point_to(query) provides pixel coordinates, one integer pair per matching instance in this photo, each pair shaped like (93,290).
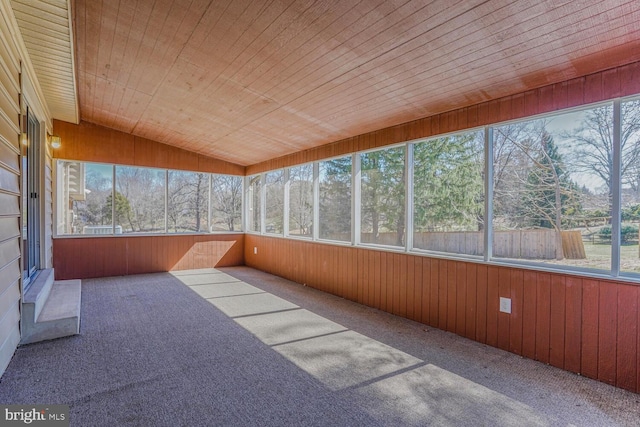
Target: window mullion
(209,203)
(286,207)
(488,193)
(615,189)
(408,165)
(356,210)
(316,201)
(263,202)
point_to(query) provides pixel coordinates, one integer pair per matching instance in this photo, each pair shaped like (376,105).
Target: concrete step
(60,315)
(34,300)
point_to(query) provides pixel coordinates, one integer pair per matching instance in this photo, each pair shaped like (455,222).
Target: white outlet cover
(255,250)
(505,305)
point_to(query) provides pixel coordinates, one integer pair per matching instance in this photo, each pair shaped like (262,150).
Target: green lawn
(599,256)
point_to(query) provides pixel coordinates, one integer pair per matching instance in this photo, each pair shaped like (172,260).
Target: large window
(144,200)
(254,203)
(301,200)
(334,203)
(87,190)
(226,203)
(382,204)
(552,197)
(139,200)
(187,207)
(630,187)
(274,203)
(448,199)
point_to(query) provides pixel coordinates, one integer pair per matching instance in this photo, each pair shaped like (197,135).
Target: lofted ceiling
(247,81)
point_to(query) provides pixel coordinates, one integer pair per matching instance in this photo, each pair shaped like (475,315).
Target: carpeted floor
(240,347)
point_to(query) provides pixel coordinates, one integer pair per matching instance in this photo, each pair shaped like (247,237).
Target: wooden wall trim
(93,143)
(583,325)
(82,258)
(612,83)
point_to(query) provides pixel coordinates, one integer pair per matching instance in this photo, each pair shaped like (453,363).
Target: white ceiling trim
(46,29)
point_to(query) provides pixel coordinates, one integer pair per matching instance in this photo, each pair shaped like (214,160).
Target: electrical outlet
(505,305)
(255,250)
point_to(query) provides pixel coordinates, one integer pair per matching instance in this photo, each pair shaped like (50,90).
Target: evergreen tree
(122,209)
(335,198)
(383,193)
(549,192)
(448,184)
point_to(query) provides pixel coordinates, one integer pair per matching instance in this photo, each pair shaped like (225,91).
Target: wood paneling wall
(93,143)
(10,229)
(579,324)
(612,83)
(582,325)
(82,258)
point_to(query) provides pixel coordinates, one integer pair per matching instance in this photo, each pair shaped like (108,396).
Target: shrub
(627,233)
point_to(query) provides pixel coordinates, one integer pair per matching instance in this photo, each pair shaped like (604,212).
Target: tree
(187,207)
(226,199)
(122,208)
(448,183)
(301,200)
(145,190)
(593,146)
(383,193)
(549,193)
(274,203)
(335,199)
(98,188)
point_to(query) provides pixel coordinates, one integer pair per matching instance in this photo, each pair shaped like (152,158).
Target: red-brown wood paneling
(590,328)
(504,319)
(461,298)
(451,300)
(607,337)
(529,312)
(516,319)
(573,324)
(557,321)
(627,340)
(493,305)
(92,143)
(81,258)
(482,291)
(471,301)
(586,326)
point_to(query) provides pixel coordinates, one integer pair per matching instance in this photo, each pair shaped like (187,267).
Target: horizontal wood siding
(81,258)
(93,143)
(586,326)
(608,84)
(10,275)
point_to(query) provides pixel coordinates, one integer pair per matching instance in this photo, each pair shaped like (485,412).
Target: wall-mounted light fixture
(55,141)
(23,139)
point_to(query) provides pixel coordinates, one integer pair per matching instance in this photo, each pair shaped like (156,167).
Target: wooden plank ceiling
(247,81)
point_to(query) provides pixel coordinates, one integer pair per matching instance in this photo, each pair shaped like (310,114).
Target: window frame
(56,200)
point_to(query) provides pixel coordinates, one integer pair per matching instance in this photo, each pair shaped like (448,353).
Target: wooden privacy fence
(519,244)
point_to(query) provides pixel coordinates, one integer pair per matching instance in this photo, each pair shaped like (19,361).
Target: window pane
(448,185)
(274,206)
(84,198)
(140,197)
(552,181)
(187,209)
(254,204)
(301,200)
(226,200)
(382,202)
(630,141)
(335,199)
